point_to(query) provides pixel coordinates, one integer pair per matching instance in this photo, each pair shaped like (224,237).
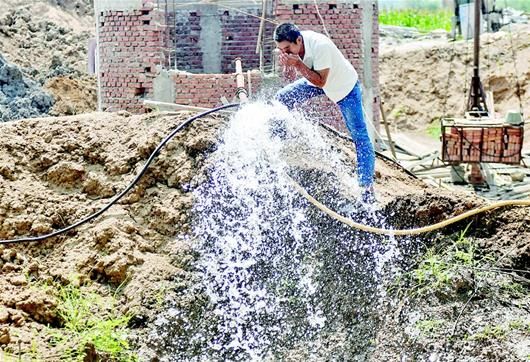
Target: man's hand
(289,60)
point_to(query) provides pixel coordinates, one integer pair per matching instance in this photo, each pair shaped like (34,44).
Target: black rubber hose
(128,188)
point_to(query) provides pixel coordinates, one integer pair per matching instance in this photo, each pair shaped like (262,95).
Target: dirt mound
(72,95)
(40,46)
(49,42)
(421,81)
(55,171)
(20,97)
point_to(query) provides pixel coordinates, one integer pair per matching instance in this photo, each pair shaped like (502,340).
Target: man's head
(288,39)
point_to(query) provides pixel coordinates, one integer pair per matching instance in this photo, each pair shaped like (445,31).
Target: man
(325,70)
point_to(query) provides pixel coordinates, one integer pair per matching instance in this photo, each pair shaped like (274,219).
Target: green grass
(423,20)
(430,326)
(516,4)
(90,320)
(434,130)
(489,332)
(437,4)
(409,4)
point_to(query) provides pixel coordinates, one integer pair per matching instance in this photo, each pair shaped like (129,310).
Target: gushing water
(279,280)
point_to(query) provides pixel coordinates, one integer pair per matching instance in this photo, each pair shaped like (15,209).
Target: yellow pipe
(403,232)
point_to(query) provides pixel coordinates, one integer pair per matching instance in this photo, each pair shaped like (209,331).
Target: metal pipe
(241,92)
(476,35)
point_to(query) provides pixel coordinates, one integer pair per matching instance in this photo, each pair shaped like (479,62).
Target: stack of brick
(495,144)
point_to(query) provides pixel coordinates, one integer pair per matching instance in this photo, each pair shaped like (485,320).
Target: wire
(153,155)
(321,19)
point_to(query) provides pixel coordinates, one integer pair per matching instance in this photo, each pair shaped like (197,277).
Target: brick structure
(189,49)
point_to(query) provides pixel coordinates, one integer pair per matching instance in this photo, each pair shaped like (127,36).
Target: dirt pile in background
(49,42)
(43,48)
(20,97)
(73,95)
(421,81)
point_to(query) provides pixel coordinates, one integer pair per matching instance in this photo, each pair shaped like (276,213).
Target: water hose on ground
(404,232)
(297,187)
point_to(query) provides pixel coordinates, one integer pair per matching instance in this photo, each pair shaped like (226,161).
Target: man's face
(286,47)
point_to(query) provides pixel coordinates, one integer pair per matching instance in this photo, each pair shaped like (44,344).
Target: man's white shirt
(322,53)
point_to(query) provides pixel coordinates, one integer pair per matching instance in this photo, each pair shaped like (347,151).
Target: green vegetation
(489,332)
(410,4)
(437,4)
(423,20)
(520,325)
(441,271)
(516,4)
(429,326)
(434,129)
(84,326)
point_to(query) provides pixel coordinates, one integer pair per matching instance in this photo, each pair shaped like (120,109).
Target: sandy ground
(56,170)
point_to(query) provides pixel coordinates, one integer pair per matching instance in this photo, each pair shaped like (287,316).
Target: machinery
(479,136)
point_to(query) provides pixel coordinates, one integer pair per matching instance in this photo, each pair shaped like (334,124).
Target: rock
(66,174)
(4,315)
(9,267)
(9,255)
(20,97)
(95,185)
(18,318)
(39,306)
(124,113)
(18,280)
(115,267)
(517,176)
(5,338)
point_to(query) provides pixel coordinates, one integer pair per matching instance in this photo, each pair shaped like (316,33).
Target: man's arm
(316,77)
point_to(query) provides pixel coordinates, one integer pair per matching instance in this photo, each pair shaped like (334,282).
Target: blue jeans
(352,111)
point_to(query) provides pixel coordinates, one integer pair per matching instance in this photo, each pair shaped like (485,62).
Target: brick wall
(239,36)
(129,50)
(205,90)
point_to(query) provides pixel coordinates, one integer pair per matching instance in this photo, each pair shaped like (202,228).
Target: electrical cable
(117,197)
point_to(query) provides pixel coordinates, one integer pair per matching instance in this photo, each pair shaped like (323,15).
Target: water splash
(279,279)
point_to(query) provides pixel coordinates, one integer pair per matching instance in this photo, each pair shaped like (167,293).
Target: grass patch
(434,130)
(440,271)
(430,326)
(520,325)
(423,20)
(489,332)
(516,4)
(90,321)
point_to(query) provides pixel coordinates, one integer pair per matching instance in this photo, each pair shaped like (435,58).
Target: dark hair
(286,31)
